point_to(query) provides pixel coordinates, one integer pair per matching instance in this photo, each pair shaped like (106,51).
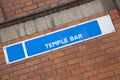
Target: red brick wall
(1,16)
(18,8)
(95,59)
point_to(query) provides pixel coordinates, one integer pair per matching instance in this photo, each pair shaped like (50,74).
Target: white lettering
(56,43)
(76,37)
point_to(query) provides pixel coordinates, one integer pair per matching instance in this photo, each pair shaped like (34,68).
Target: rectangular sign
(61,38)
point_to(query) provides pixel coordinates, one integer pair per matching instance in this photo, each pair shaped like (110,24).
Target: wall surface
(13,9)
(95,59)
(19,8)
(52,20)
(117,2)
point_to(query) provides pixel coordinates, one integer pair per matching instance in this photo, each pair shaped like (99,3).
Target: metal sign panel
(61,38)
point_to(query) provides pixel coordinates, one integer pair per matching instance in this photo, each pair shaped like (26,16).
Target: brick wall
(95,59)
(18,8)
(1,16)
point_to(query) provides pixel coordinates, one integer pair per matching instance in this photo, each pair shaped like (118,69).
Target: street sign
(58,39)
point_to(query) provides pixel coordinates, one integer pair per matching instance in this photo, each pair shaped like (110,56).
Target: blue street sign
(62,38)
(52,41)
(15,52)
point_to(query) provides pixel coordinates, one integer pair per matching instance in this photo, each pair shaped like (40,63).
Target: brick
(48,74)
(58,60)
(71,50)
(34,6)
(88,62)
(1,52)
(90,67)
(115,16)
(99,53)
(51,1)
(89,73)
(78,77)
(86,57)
(56,55)
(19,15)
(36,77)
(8,4)
(84,20)
(83,47)
(60,65)
(23,77)
(23,1)
(103,70)
(2,61)
(11,75)
(35,73)
(16,6)
(116,21)
(117,26)
(113,66)
(114,11)
(16,2)
(21,71)
(106,40)
(107,45)
(29,3)
(34,67)
(116,37)
(41,3)
(93,78)
(3,66)
(69,57)
(116,77)
(30,63)
(10,13)
(20,66)
(45,64)
(5,77)
(105,75)
(115,60)
(110,50)
(99,59)
(48,30)
(51,78)
(8,70)
(18,11)
(75,60)
(110,56)
(101,64)
(118,42)
(84,52)
(78,71)
(47,69)
(117,48)
(62,76)
(61,70)
(72,67)
(117,71)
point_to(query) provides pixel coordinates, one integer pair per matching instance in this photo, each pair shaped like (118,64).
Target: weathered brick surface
(95,59)
(1,16)
(18,8)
